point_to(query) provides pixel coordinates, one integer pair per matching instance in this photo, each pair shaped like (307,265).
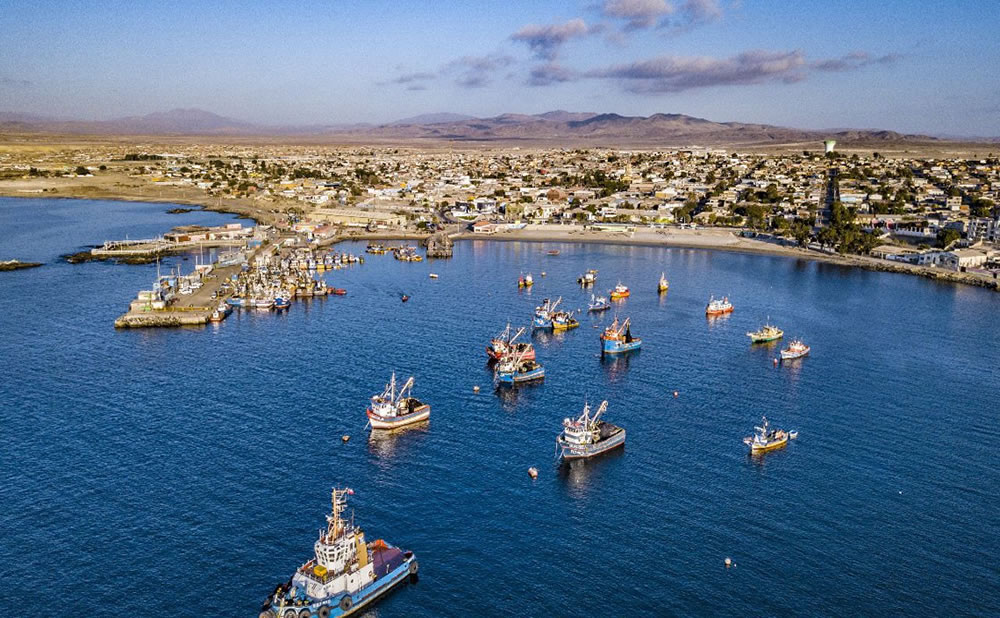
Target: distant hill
(555,127)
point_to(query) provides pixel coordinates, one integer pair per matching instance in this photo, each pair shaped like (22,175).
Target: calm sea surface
(186,472)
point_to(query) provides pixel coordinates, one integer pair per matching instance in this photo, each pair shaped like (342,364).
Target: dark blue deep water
(185,472)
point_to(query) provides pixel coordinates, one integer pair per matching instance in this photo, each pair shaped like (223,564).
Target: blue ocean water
(185,472)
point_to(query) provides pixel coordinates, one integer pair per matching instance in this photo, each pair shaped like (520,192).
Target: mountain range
(555,127)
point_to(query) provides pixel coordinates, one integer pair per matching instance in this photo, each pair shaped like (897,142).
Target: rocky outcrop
(439,245)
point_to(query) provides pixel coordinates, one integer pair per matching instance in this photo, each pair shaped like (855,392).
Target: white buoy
(676,394)
(533,472)
(475,389)
(729,562)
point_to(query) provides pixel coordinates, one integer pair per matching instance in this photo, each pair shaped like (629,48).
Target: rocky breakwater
(439,245)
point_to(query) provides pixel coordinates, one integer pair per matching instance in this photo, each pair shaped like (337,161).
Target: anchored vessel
(587,278)
(598,303)
(719,307)
(345,575)
(765,334)
(766,439)
(617,338)
(515,369)
(505,343)
(392,409)
(525,281)
(620,292)
(663,285)
(588,436)
(544,313)
(796,349)
(564,320)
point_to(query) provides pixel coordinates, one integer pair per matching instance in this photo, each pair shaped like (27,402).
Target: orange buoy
(345,438)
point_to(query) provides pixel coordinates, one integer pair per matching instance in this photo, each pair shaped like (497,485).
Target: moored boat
(525,281)
(620,292)
(587,435)
(766,334)
(544,313)
(280,302)
(598,303)
(338,291)
(553,252)
(718,306)
(796,349)
(617,338)
(587,278)
(392,409)
(515,369)
(663,285)
(766,438)
(505,344)
(564,320)
(345,574)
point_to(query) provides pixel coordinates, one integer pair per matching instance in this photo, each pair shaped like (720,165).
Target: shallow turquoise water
(185,472)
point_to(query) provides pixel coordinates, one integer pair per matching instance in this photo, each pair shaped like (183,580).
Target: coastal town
(928,212)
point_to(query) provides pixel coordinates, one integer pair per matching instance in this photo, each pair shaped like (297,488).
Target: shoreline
(717,239)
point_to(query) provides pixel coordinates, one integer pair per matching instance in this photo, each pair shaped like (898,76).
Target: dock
(190,310)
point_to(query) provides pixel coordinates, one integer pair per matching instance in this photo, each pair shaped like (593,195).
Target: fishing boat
(525,281)
(515,369)
(796,349)
(718,306)
(552,252)
(505,344)
(598,303)
(404,298)
(766,439)
(587,278)
(392,409)
(345,575)
(564,320)
(587,435)
(620,292)
(663,285)
(280,302)
(617,338)
(544,312)
(221,313)
(766,334)
(432,276)
(338,291)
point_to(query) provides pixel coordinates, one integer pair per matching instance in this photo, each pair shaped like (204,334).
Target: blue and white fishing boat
(617,338)
(544,313)
(587,435)
(345,575)
(280,302)
(237,301)
(516,369)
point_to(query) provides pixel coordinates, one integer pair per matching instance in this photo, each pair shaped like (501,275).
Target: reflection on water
(616,365)
(717,320)
(509,395)
(757,459)
(582,474)
(390,443)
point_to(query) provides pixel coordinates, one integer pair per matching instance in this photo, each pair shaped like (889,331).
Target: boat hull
(520,378)
(420,414)
(526,354)
(564,325)
(785,355)
(541,323)
(620,347)
(711,312)
(359,600)
(569,452)
(771,446)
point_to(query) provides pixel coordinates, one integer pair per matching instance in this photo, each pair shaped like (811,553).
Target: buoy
(345,438)
(475,389)
(775,362)
(543,273)
(676,394)
(533,472)
(729,562)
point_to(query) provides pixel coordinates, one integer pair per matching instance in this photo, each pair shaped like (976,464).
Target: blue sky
(911,66)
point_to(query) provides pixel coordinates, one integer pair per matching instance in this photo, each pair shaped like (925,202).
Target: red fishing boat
(505,343)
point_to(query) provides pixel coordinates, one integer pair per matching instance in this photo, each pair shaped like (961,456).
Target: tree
(81,171)
(947,236)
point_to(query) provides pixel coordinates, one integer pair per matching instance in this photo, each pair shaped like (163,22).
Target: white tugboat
(345,575)
(588,436)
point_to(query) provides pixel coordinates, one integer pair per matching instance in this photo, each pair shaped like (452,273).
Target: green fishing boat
(765,334)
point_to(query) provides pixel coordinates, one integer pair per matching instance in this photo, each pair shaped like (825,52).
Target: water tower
(828,145)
